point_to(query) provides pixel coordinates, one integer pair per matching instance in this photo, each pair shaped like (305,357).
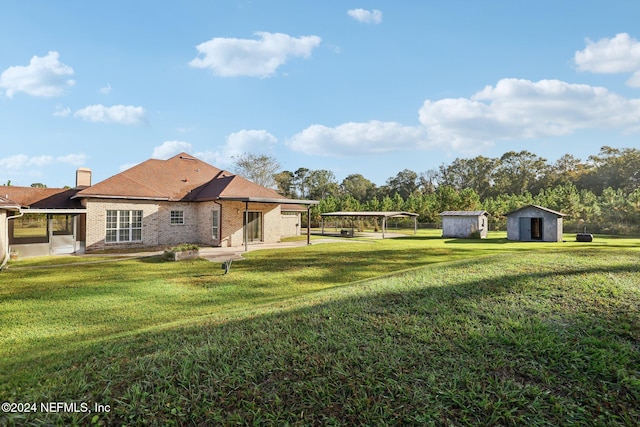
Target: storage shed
(534,223)
(465,224)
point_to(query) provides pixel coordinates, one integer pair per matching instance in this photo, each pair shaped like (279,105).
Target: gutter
(7,252)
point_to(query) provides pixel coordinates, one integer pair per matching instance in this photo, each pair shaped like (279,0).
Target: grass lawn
(415,330)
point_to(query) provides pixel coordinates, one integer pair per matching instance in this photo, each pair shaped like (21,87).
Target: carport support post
(246,226)
(309,224)
(384,225)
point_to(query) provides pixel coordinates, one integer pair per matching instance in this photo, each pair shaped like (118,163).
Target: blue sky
(368,87)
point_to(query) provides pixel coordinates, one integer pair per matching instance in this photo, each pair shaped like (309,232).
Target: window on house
(215,228)
(177,217)
(124,226)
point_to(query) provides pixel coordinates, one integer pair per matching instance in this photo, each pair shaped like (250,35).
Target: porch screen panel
(62,225)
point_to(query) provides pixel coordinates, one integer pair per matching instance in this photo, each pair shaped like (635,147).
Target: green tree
(285,184)
(519,173)
(301,177)
(359,187)
(476,173)
(404,183)
(321,183)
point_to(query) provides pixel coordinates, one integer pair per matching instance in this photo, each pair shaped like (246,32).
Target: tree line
(602,191)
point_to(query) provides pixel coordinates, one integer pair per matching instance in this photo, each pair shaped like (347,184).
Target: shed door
(525,229)
(536,228)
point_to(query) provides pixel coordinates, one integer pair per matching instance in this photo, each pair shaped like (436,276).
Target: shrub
(475,235)
(182,247)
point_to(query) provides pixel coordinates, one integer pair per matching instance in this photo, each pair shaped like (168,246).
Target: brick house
(156,203)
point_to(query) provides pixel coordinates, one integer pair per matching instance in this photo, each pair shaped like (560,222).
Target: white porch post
(308,224)
(384,225)
(246,226)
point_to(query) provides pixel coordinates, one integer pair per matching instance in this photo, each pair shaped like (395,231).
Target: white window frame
(123,226)
(176,217)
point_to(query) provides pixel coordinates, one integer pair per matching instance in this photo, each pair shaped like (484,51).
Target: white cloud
(354,139)
(105,90)
(522,109)
(169,149)
(61,111)
(121,114)
(367,16)
(249,141)
(20,161)
(513,109)
(45,76)
(238,143)
(230,57)
(620,54)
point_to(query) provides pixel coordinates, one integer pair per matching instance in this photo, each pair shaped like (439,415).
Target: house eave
(52,211)
(102,196)
(270,200)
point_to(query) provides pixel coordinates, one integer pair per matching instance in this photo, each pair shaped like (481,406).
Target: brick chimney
(83,177)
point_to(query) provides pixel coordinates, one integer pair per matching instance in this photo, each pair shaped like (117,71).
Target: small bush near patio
(450,335)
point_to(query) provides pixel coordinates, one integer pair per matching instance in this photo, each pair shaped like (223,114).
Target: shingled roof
(181,178)
(8,204)
(41,198)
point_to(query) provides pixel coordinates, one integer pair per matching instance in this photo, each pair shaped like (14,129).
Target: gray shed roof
(464,213)
(558,214)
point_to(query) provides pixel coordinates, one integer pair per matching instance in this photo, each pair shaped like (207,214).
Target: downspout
(7,252)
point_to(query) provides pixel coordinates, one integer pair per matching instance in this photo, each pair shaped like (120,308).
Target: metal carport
(377,214)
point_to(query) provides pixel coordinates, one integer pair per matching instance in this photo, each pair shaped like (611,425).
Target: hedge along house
(465,224)
(184,200)
(534,223)
(46,221)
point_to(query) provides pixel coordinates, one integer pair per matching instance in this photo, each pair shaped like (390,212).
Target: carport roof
(464,213)
(373,213)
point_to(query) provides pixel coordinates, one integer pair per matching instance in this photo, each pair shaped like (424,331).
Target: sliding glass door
(254,226)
